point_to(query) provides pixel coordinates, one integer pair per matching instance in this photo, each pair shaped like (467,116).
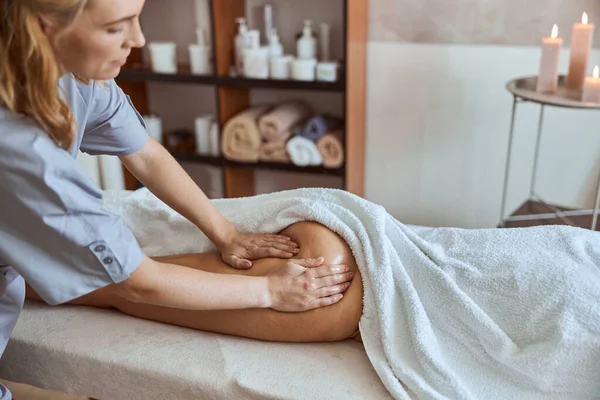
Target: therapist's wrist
(224,235)
(264,296)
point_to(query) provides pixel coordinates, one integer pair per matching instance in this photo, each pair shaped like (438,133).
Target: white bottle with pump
(275,46)
(240,45)
(307,44)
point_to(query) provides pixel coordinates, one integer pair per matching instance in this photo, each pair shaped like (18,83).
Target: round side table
(524,91)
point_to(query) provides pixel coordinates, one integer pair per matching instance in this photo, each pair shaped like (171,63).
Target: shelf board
(226,81)
(140,73)
(273,166)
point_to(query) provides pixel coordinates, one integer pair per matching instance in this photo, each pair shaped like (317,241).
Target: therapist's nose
(137,38)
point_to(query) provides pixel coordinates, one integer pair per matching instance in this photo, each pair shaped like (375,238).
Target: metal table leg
(508,157)
(596,205)
(537,153)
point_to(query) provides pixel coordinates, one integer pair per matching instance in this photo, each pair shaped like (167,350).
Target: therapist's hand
(301,285)
(241,248)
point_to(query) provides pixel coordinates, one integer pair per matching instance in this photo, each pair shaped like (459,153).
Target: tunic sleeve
(53,228)
(114,126)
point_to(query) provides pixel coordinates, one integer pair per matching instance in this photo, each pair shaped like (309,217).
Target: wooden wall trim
(357,29)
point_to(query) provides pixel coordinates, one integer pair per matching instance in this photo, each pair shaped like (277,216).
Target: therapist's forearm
(180,287)
(156,168)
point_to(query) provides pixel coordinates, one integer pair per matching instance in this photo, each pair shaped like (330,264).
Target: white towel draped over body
(448,314)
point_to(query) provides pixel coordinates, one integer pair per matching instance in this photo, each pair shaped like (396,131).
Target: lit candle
(591,87)
(581,44)
(547,81)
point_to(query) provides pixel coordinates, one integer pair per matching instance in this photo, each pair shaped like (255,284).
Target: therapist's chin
(107,72)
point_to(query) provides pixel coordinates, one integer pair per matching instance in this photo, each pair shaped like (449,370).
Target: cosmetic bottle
(307,44)
(268,22)
(240,44)
(275,47)
(325,42)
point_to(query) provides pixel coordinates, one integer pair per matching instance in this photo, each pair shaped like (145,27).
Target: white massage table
(107,355)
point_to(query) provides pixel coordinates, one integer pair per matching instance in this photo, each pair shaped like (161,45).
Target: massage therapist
(58,96)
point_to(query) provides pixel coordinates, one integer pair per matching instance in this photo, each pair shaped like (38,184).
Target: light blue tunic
(53,231)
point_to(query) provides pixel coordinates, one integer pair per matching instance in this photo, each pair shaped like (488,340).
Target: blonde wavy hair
(29,70)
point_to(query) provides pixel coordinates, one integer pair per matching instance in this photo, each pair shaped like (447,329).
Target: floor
(533,207)
(26,392)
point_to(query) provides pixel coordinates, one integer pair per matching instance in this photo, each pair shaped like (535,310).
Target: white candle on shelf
(591,87)
(581,44)
(547,81)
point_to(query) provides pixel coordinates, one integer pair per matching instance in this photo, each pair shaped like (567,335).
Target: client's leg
(332,323)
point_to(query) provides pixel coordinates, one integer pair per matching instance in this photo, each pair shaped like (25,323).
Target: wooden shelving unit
(142,73)
(233,95)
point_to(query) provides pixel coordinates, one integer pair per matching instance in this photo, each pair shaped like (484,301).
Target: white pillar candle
(591,87)
(581,44)
(547,81)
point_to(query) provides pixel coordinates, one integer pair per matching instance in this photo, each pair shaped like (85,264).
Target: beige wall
(502,22)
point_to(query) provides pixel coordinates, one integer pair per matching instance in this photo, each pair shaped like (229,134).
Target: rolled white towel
(304,152)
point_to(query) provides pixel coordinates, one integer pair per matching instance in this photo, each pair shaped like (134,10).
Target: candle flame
(584,18)
(554,34)
(596,72)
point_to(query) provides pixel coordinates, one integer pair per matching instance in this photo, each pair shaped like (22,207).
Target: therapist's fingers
(279,238)
(333,280)
(329,270)
(332,290)
(272,251)
(288,247)
(237,262)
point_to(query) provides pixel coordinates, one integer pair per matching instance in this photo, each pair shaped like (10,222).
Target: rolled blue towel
(317,127)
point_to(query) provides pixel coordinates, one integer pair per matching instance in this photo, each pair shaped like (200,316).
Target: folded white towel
(304,152)
(448,313)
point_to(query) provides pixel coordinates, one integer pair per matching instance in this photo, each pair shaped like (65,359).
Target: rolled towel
(331,147)
(241,138)
(318,126)
(274,152)
(303,152)
(279,123)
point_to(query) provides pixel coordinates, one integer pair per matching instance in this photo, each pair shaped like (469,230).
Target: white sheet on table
(111,356)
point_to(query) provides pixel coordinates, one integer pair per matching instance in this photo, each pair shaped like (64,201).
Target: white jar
(163,57)
(256,63)
(304,70)
(327,71)
(200,59)
(281,67)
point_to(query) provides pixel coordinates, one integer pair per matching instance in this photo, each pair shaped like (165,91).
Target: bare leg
(332,323)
